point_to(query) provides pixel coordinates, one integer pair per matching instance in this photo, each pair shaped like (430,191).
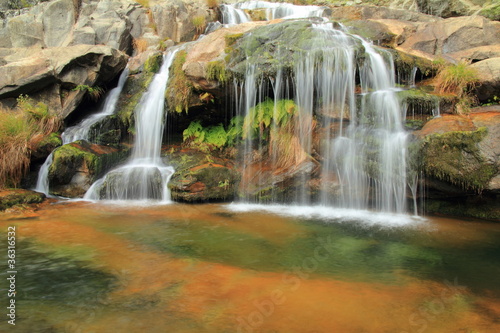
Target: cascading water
(236,14)
(363,146)
(144,176)
(82,130)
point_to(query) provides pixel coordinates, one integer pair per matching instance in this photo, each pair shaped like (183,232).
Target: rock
(201,177)
(14,197)
(489,78)
(45,147)
(461,154)
(52,73)
(452,35)
(77,165)
(208,49)
(174,19)
(58,19)
(377,13)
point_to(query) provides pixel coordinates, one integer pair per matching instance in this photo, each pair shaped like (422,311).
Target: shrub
(199,23)
(93,92)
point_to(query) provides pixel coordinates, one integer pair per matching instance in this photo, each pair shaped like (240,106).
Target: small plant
(213,137)
(162,46)
(261,116)
(94,92)
(140,44)
(458,80)
(216,70)
(153,63)
(143,3)
(179,90)
(199,23)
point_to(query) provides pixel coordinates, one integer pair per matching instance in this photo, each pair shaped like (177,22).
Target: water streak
(144,176)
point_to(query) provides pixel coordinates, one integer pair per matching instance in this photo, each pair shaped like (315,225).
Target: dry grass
(199,23)
(14,151)
(21,131)
(212,3)
(140,44)
(458,80)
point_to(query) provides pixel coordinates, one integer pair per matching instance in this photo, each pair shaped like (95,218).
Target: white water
(236,14)
(363,160)
(144,176)
(81,131)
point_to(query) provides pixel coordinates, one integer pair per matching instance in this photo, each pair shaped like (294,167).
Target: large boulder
(78,164)
(489,78)
(51,74)
(201,177)
(461,154)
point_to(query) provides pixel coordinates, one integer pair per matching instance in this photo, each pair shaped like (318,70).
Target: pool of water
(90,267)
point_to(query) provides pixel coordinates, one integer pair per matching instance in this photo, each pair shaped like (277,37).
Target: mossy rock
(15,197)
(200,177)
(455,158)
(371,30)
(78,164)
(276,46)
(109,131)
(46,146)
(484,207)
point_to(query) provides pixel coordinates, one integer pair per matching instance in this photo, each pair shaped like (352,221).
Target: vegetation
(179,90)
(216,70)
(267,113)
(94,92)
(212,3)
(458,80)
(143,3)
(153,63)
(454,157)
(21,132)
(199,23)
(213,137)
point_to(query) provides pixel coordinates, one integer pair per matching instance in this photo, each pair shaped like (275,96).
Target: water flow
(237,13)
(81,131)
(363,141)
(144,176)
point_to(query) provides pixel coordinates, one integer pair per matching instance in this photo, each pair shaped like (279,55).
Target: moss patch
(454,157)
(179,89)
(10,198)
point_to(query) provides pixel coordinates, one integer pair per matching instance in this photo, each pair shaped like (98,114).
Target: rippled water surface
(87,267)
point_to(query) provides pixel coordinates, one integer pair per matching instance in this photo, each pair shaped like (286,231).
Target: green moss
(257,14)
(492,12)
(70,157)
(406,62)
(487,209)
(53,140)
(20,197)
(213,137)
(231,39)
(216,70)
(153,63)
(179,89)
(455,157)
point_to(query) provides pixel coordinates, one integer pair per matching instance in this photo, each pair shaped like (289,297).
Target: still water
(87,267)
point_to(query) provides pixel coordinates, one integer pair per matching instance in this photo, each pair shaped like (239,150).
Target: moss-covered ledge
(15,197)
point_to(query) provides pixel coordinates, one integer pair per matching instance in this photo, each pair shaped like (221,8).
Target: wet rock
(77,165)
(49,75)
(14,197)
(201,177)
(460,155)
(489,78)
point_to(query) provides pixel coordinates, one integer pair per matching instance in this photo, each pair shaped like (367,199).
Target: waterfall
(144,176)
(81,131)
(363,142)
(236,14)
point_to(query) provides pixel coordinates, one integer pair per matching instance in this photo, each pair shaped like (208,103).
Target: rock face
(77,165)
(462,154)
(52,74)
(10,198)
(201,177)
